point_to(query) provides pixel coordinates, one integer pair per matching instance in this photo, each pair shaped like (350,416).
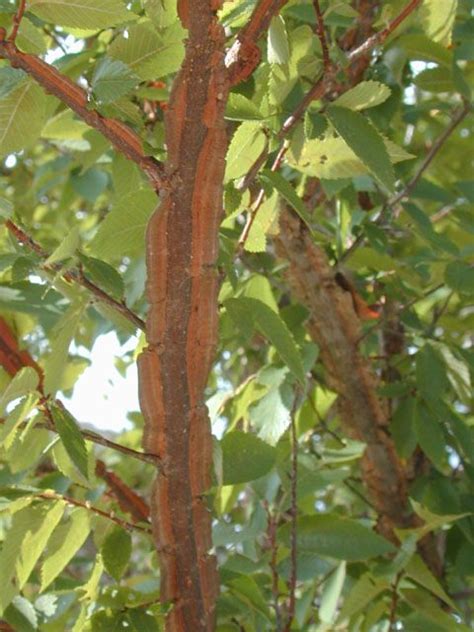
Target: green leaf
(340,538)
(116,551)
(365,142)
(262,224)
(272,413)
(331,594)
(431,375)
(249,591)
(10,79)
(332,159)
(64,543)
(287,192)
(239,108)
(34,541)
(366,94)
(15,419)
(122,233)
(245,457)
(271,326)
(278,51)
(61,338)
(103,275)
(460,277)
(148,54)
(437,19)
(25,382)
(30,39)
(112,79)
(67,248)
(246,145)
(438,79)
(416,569)
(22,115)
(81,14)
(71,438)
(362,593)
(430,436)
(427,605)
(21,615)
(421,48)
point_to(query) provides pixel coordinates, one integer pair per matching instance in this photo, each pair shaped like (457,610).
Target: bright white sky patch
(102,397)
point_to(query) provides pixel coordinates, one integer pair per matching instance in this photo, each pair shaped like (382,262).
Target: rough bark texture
(334,326)
(182,247)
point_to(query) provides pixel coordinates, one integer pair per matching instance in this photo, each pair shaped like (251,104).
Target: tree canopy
(274,200)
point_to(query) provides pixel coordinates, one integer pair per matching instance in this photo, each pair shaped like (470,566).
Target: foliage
(291,514)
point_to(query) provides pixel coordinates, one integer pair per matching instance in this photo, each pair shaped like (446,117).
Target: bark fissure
(182,249)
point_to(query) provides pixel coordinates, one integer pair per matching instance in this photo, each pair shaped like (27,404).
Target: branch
(244,55)
(74,275)
(120,135)
(320,30)
(382,36)
(129,501)
(334,326)
(294,518)
(129,526)
(17,18)
(325,83)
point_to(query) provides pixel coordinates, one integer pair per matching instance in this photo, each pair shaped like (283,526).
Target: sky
(102,397)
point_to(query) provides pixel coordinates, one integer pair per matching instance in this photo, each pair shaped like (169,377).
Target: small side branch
(120,135)
(17,21)
(325,83)
(244,55)
(129,526)
(74,275)
(321,33)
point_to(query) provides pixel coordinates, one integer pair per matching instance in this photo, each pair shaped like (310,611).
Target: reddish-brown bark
(182,289)
(120,135)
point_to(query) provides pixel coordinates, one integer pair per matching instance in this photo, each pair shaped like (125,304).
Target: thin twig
(394,602)
(271,534)
(17,18)
(259,201)
(321,33)
(74,275)
(294,518)
(86,505)
(89,435)
(324,83)
(381,36)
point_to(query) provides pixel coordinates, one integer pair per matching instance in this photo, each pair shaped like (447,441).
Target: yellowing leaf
(437,19)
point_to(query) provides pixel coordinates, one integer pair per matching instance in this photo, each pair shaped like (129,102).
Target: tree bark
(182,286)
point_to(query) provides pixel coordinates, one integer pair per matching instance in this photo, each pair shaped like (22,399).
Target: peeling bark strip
(334,326)
(182,248)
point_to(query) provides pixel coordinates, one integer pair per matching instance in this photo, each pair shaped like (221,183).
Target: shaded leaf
(71,438)
(270,325)
(245,457)
(332,536)
(116,551)
(112,79)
